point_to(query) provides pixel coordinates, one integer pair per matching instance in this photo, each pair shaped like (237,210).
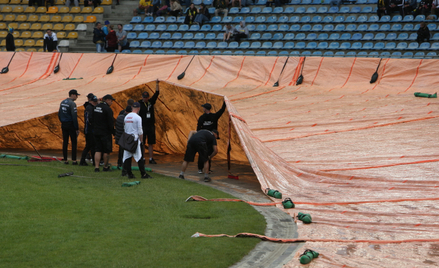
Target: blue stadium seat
(322,10)
(345,36)
(227,19)
(435,37)
(413,36)
(161,51)
(328,28)
(283,53)
(367,9)
(154,36)
(322,36)
(167,44)
(424,46)
(260,19)
(266,36)
(255,36)
(261,53)
(233,45)
(139,28)
(148,51)
(249,52)
(373,19)
(300,36)
(355,9)
(295,28)
(431,26)
(396,54)
(237,19)
(305,28)
(373,28)
(385,27)
(172,28)
(328,19)
(289,36)
(289,45)
(333,10)
(183,28)
(295,53)
(305,19)
(205,28)
(283,19)
(267,45)
(145,44)
(413,46)
(401,46)
(396,18)
(374,54)
(255,45)
(249,19)
(126,51)
(317,53)
(334,45)
(136,19)
(379,36)
(197,2)
(328,54)
(261,28)
(368,37)
(390,46)
(311,36)
(362,54)
(322,45)
(160,19)
(316,19)
(339,54)
(378,46)
(148,20)
(339,19)
(351,27)
(217,28)
(334,36)
(278,36)
(390,36)
(156,44)
(256,10)
(128,27)
(238,52)
(272,28)
(216,52)
(208,2)
(267,10)
(211,45)
(176,36)
(182,52)
(361,19)
(300,45)
(261,2)
(134,44)
(419,18)
(289,10)
(344,10)
(317,28)
(133,35)
(234,10)
(407,55)
(431,54)
(419,55)
(244,45)
(368,46)
(408,18)
(356,46)
(278,45)
(385,18)
(171,19)
(351,54)
(181,19)
(194,28)
(189,45)
(220,36)
(294,19)
(188,36)
(215,19)
(408,27)
(283,28)
(396,27)
(199,36)
(222,45)
(210,36)
(402,36)
(306,53)
(137,51)
(244,10)
(311,10)
(166,36)
(300,10)
(362,28)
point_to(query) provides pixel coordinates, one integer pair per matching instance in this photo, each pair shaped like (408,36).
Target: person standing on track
(148,120)
(88,129)
(68,117)
(103,127)
(208,121)
(202,142)
(133,126)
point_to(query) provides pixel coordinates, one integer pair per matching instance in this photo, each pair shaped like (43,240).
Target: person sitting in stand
(395,5)
(382,6)
(50,41)
(175,8)
(228,33)
(95,3)
(240,31)
(435,7)
(141,8)
(237,3)
(191,14)
(276,3)
(203,15)
(423,33)
(409,7)
(221,7)
(424,7)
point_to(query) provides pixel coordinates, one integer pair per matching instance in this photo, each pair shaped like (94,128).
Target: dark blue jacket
(67,112)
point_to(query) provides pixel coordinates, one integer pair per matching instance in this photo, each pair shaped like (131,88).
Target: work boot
(207,179)
(131,176)
(97,170)
(107,168)
(146,176)
(181,177)
(83,164)
(152,161)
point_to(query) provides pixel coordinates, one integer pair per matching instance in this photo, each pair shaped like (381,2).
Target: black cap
(108,97)
(74,92)
(145,94)
(216,132)
(94,98)
(207,106)
(129,109)
(90,96)
(136,105)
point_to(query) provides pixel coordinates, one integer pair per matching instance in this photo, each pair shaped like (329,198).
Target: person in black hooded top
(10,43)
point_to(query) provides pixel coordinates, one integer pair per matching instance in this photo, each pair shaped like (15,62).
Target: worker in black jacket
(119,131)
(208,121)
(148,120)
(103,128)
(88,129)
(68,117)
(10,43)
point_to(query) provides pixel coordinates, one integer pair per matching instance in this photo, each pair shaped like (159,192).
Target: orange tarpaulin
(361,158)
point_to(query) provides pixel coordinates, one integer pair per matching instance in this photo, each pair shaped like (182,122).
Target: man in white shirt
(133,126)
(50,41)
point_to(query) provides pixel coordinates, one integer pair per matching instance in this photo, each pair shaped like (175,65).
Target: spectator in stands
(334,3)
(228,33)
(435,7)
(423,33)
(424,7)
(163,9)
(175,8)
(75,2)
(121,37)
(382,6)
(155,6)
(143,6)
(203,15)
(111,40)
(105,28)
(276,3)
(236,3)
(410,6)
(240,31)
(95,3)
(49,2)
(50,41)
(10,43)
(395,5)
(221,7)
(191,14)
(33,2)
(99,37)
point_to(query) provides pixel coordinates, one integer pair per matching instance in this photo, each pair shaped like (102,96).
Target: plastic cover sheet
(361,158)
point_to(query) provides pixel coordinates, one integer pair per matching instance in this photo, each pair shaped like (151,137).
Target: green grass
(46,221)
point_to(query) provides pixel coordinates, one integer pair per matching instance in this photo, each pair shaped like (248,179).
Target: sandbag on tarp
(425,95)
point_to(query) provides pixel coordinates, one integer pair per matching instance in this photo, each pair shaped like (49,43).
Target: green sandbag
(425,95)
(288,203)
(274,193)
(133,168)
(306,218)
(308,256)
(129,184)
(14,157)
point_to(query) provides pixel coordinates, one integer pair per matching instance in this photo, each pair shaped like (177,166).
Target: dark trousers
(89,147)
(68,130)
(141,164)
(120,157)
(238,36)
(201,161)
